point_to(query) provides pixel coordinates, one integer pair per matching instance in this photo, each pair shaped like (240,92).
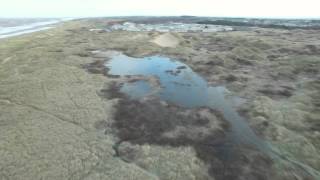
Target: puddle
(137,89)
(181,86)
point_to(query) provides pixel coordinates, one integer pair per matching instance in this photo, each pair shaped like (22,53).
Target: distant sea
(13,27)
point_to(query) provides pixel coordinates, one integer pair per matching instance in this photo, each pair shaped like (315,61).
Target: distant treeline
(255,24)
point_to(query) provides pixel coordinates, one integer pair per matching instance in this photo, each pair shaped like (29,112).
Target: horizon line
(119,16)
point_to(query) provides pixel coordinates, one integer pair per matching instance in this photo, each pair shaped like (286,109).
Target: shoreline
(11,31)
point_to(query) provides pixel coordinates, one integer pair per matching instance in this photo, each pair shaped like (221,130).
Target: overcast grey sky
(93,8)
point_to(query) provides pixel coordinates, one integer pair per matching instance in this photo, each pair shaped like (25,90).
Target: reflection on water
(182,86)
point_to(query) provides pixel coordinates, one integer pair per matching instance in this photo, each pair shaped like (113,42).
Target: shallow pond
(180,85)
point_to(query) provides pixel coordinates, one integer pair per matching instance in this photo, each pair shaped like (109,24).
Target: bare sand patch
(166,40)
(6,60)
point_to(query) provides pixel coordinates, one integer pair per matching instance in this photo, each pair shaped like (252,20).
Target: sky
(220,8)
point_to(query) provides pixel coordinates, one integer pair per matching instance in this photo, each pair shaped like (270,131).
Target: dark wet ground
(153,122)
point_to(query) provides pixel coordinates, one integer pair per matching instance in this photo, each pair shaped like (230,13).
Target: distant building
(170,27)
